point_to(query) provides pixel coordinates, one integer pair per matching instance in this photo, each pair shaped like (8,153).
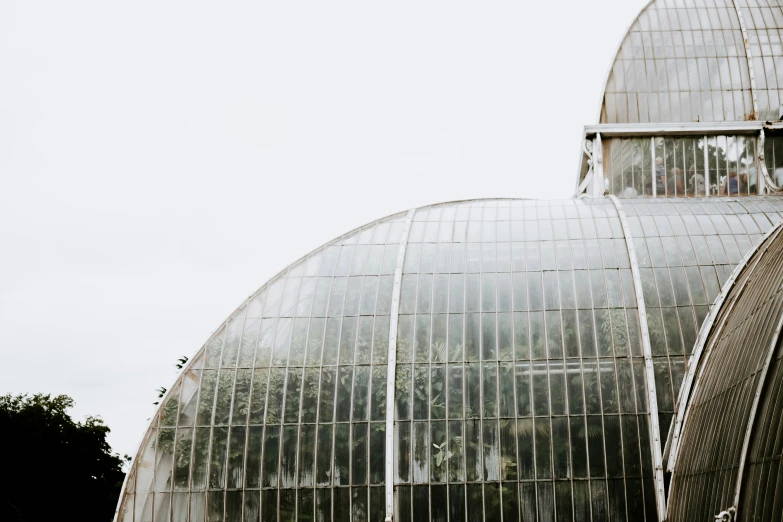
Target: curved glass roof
(520,374)
(505,359)
(686,61)
(731,445)
(520,385)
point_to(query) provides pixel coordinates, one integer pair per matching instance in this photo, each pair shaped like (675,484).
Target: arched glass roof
(505,359)
(520,381)
(728,462)
(687,61)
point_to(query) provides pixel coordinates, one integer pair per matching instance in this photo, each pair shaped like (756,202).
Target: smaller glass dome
(687,61)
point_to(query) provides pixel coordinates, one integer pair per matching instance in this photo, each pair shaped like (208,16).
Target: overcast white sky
(160,160)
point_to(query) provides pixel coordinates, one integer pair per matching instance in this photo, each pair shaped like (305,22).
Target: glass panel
(677,166)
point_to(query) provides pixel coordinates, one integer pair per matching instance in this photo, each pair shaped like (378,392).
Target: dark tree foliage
(52,467)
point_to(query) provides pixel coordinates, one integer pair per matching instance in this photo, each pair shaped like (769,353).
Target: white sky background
(160,160)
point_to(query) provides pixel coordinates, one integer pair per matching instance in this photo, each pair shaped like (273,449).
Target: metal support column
(699,352)
(654,171)
(391,371)
(706,169)
(749,56)
(764,180)
(655,439)
(599,184)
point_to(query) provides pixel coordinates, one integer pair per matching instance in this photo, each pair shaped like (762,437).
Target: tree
(53,467)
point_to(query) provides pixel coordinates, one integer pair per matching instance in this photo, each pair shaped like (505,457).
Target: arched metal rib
(391,371)
(655,439)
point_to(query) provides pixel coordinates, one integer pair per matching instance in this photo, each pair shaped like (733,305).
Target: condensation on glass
(520,387)
(685,166)
(720,411)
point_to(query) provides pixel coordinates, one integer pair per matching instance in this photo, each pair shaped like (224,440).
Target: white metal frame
(628,130)
(391,371)
(655,439)
(653,170)
(594,184)
(598,186)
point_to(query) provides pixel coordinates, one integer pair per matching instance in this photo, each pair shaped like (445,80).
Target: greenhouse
(518,360)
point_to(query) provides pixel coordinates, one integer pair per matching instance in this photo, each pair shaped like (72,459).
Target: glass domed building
(517,360)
